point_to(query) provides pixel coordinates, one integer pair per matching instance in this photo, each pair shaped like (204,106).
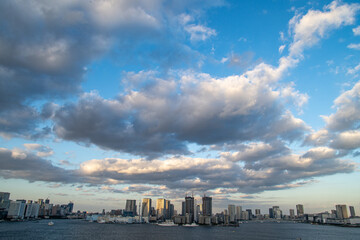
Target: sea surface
(80,229)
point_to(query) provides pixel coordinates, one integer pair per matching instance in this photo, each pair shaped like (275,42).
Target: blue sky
(256,104)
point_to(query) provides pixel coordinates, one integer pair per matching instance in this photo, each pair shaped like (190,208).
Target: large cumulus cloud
(45,48)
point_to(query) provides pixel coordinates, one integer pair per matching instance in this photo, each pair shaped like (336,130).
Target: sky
(253,103)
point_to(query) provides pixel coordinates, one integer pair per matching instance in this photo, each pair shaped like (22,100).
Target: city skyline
(254,105)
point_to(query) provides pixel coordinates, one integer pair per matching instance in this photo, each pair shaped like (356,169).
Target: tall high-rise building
(172,211)
(146,207)
(292,213)
(161,207)
(189,207)
(250,213)
(232,213)
(167,209)
(130,207)
(277,212)
(206,206)
(341,211)
(238,212)
(299,210)
(4,200)
(257,212)
(352,211)
(183,208)
(271,213)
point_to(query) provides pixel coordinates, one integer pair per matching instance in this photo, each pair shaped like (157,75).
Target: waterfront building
(341,211)
(16,209)
(130,207)
(352,211)
(232,213)
(257,212)
(206,206)
(4,200)
(299,210)
(277,212)
(146,207)
(238,212)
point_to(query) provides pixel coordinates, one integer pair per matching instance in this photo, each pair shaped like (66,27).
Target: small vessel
(50,223)
(167,224)
(191,225)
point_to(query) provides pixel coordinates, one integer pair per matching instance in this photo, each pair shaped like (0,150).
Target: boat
(167,224)
(50,223)
(191,225)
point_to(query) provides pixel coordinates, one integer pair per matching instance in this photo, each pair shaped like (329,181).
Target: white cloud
(42,151)
(309,28)
(347,115)
(347,140)
(199,32)
(224,60)
(356,31)
(354,70)
(355,46)
(281,48)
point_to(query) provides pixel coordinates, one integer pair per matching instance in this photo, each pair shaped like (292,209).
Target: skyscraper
(206,206)
(257,212)
(271,213)
(231,211)
(130,207)
(146,207)
(341,211)
(167,209)
(299,210)
(183,208)
(292,213)
(352,211)
(4,200)
(161,207)
(238,212)
(189,207)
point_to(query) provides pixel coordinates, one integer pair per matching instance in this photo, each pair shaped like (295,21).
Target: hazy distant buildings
(299,210)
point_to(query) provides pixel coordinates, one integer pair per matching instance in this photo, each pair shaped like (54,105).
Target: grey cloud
(158,118)
(45,47)
(174,176)
(24,165)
